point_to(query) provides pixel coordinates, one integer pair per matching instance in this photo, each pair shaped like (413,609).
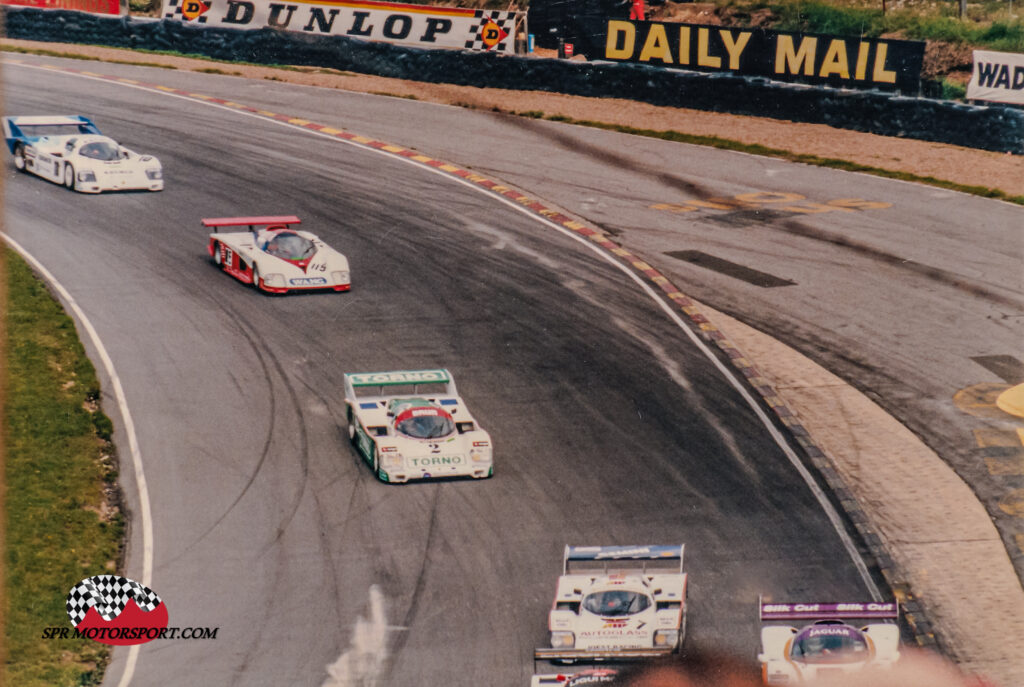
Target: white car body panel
(781,665)
(652,572)
(318,274)
(50,157)
(397,458)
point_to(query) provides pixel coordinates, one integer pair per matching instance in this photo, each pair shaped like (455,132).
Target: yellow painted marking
(1011,465)
(641,265)
(1013,503)
(300,122)
(165,88)
(691,310)
(980,400)
(393,149)
(91,74)
(676,294)
(998,437)
(621,252)
(598,238)
(266,113)
(362,139)
(707,326)
(331,131)
(773,401)
(501,189)
(421,158)
(672,208)
(1012,401)
(575,225)
(659,280)
(131,81)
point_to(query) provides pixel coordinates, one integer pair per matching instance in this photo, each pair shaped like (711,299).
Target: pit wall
(988,128)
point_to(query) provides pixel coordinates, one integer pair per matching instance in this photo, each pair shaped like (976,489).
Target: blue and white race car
(70,150)
(617,602)
(412,425)
(826,645)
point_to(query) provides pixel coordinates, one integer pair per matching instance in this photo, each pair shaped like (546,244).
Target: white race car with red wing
(824,645)
(275,257)
(413,425)
(618,602)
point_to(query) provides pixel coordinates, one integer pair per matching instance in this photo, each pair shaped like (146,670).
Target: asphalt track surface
(609,427)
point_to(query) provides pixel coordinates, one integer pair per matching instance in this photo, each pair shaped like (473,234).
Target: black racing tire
(19,157)
(256,277)
(69,177)
(217,259)
(352,429)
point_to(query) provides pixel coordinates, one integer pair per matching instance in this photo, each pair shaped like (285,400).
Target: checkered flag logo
(187,10)
(108,594)
(484,23)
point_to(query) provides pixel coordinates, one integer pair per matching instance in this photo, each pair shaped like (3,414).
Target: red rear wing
(249,221)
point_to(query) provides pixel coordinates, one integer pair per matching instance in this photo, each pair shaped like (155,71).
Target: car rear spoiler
(14,134)
(830,611)
(589,559)
(251,222)
(548,654)
(382,380)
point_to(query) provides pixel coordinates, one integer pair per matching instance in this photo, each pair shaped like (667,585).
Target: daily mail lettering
(835,60)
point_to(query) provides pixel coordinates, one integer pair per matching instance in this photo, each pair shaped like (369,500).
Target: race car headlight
(563,640)
(155,174)
(340,277)
(86,175)
(480,455)
(273,279)
(392,459)
(666,637)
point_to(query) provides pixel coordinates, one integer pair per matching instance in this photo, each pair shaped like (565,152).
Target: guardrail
(988,128)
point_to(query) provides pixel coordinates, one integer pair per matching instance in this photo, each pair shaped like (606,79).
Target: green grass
(937,23)
(59,463)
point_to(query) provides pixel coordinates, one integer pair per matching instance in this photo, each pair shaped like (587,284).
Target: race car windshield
(840,647)
(617,602)
(290,246)
(100,150)
(426,426)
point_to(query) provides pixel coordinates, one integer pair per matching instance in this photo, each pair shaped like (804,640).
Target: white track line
(129,428)
(831,513)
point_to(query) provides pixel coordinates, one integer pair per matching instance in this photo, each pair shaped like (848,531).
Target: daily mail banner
(998,76)
(779,55)
(420,26)
(118,7)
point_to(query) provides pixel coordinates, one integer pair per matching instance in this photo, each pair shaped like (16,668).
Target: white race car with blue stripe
(70,150)
(617,603)
(412,425)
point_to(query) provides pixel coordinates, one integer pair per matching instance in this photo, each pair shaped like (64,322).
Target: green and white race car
(412,425)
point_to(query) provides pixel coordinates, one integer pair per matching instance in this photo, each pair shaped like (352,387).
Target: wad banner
(421,26)
(115,7)
(998,76)
(778,55)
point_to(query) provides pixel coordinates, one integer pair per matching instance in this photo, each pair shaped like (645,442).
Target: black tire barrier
(985,127)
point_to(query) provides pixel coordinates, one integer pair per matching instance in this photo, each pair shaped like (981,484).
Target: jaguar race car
(70,150)
(591,676)
(826,645)
(275,258)
(412,425)
(617,602)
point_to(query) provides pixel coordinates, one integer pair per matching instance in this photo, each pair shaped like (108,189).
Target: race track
(609,427)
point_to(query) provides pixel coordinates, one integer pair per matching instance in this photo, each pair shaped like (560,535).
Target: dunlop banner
(998,76)
(420,26)
(116,7)
(778,55)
